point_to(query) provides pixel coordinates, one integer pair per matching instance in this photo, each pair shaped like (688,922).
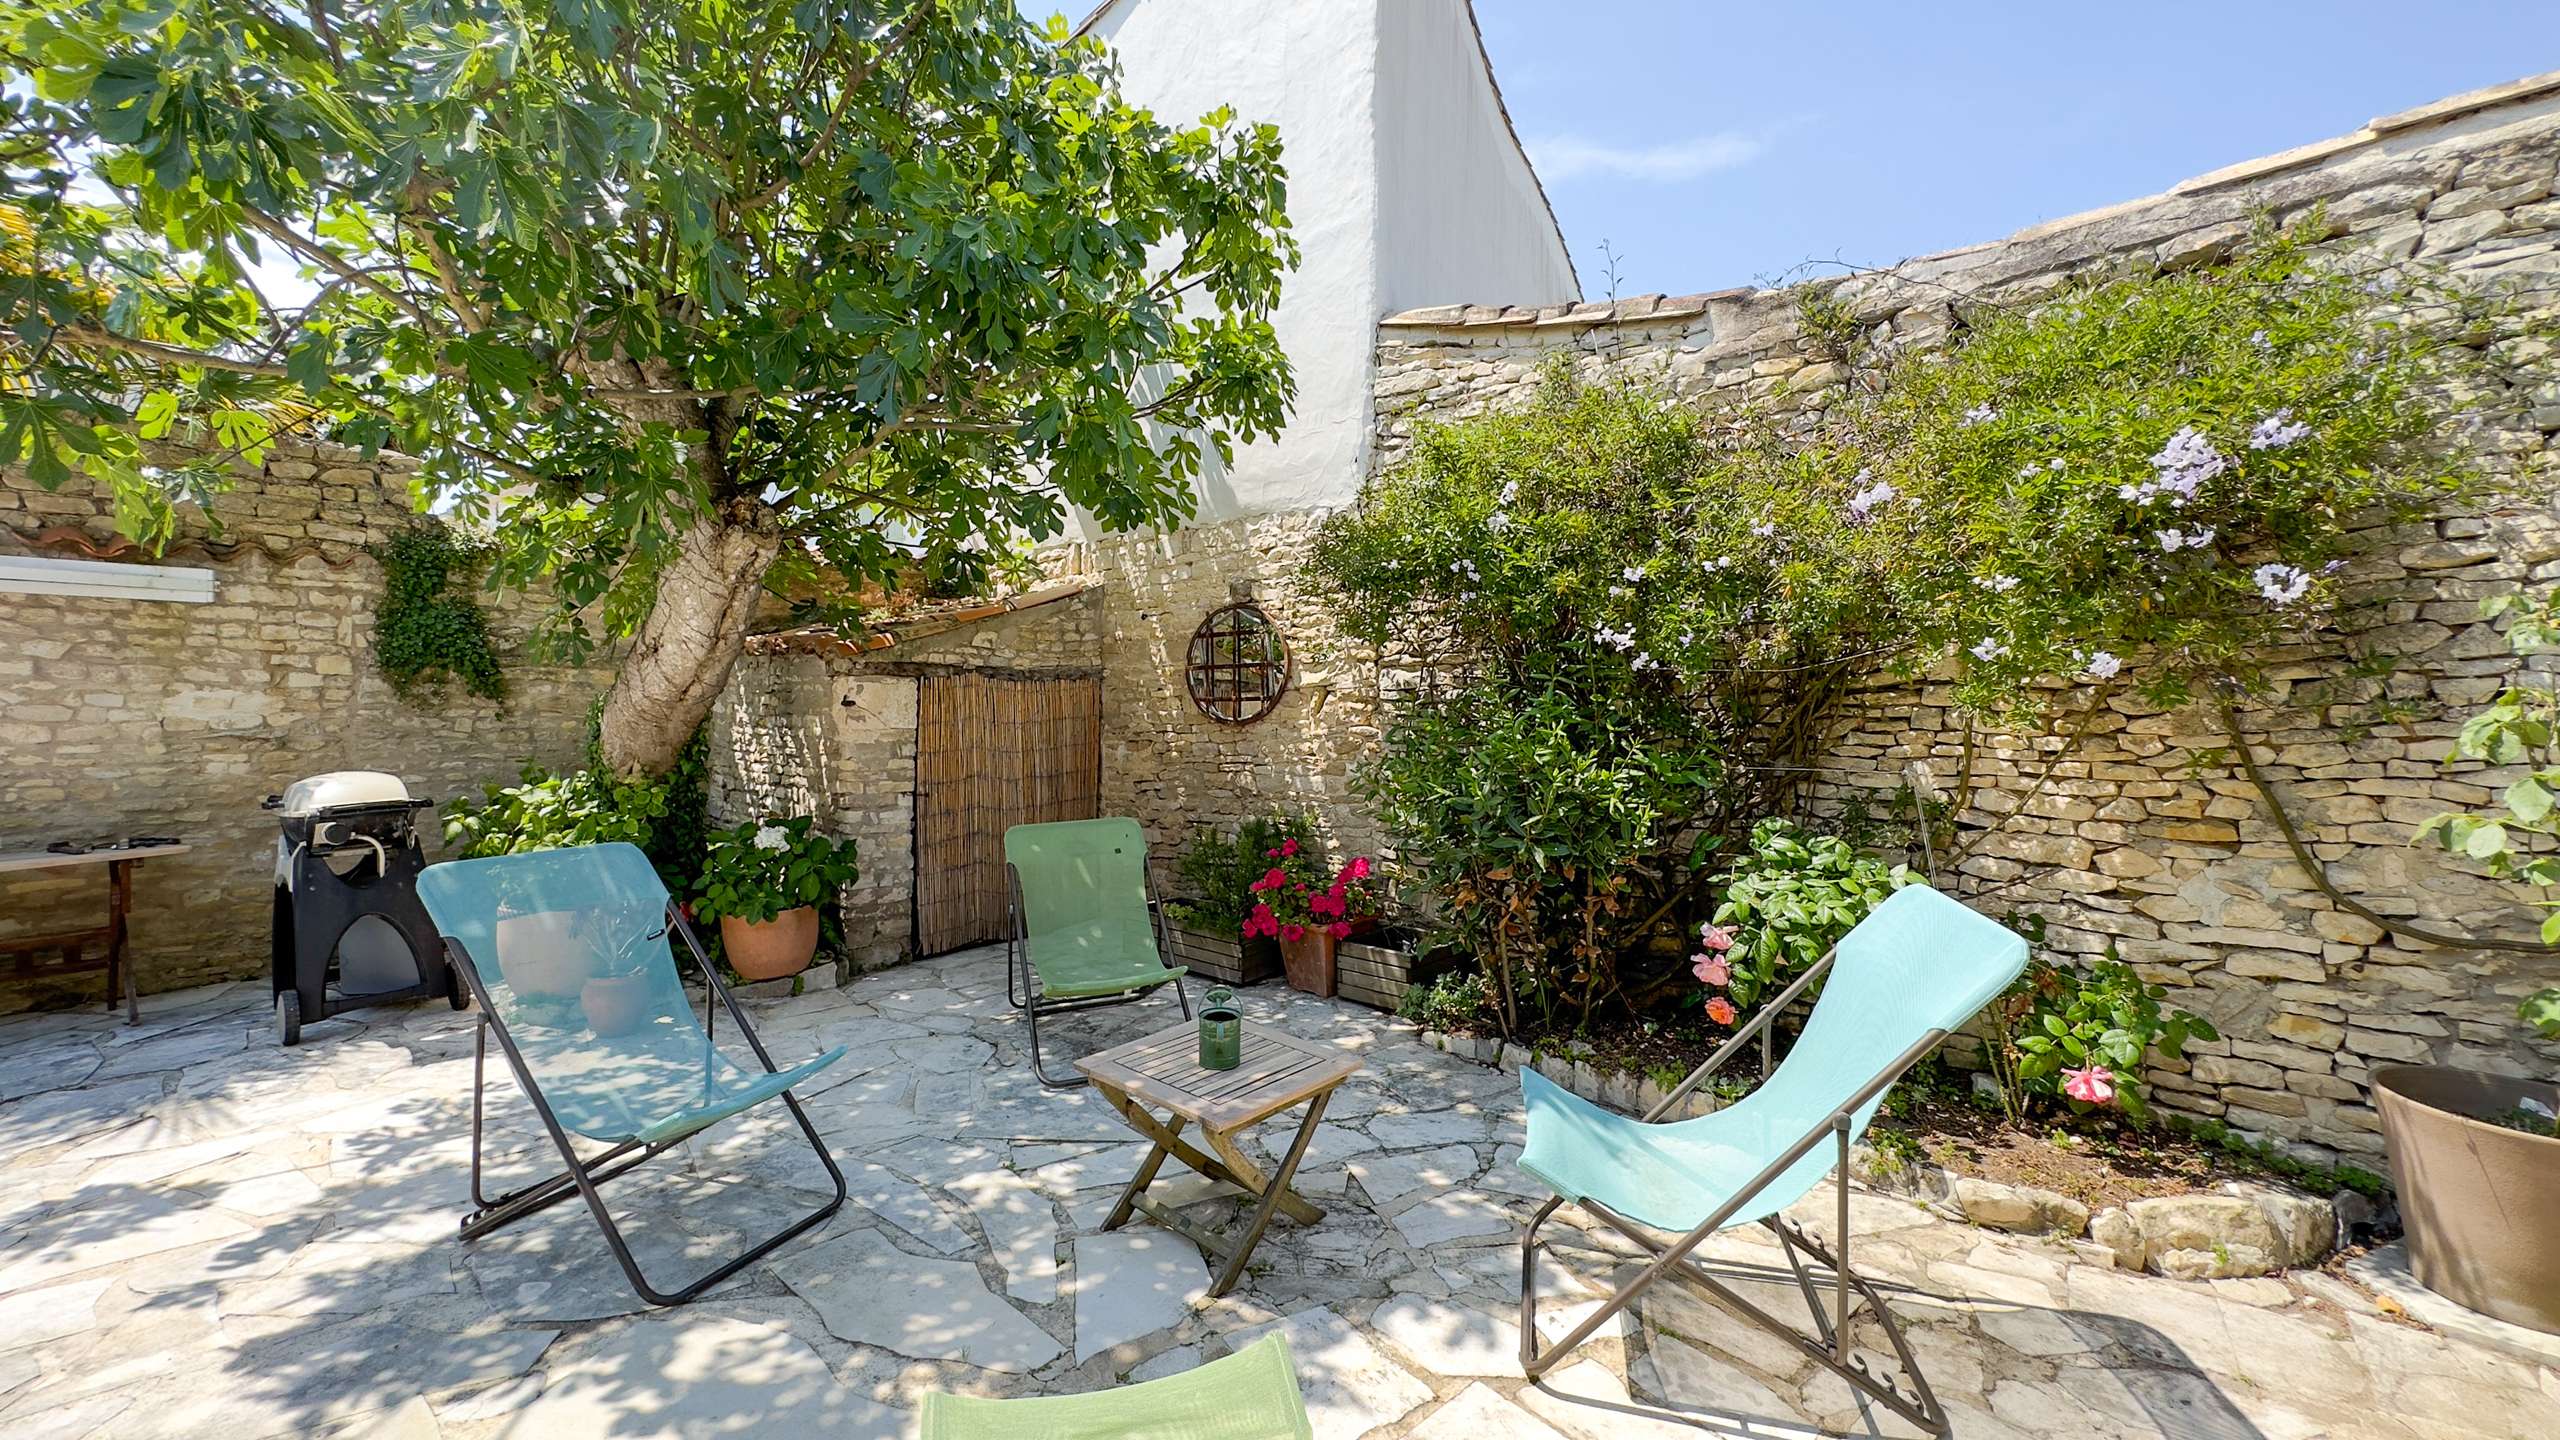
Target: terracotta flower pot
(616,1004)
(770,949)
(2481,1202)
(1309,962)
(542,956)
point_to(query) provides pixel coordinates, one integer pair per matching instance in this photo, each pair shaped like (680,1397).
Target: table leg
(1273,1197)
(1139,1182)
(120,900)
(1250,1176)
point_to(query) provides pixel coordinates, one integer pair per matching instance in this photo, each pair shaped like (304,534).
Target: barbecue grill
(349,930)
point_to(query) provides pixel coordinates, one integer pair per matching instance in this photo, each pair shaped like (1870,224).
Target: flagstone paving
(202,1234)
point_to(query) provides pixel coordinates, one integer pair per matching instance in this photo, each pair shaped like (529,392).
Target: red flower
(1720,1010)
(1358,869)
(1339,930)
(1292,934)
(1272,879)
(1271,854)
(1288,847)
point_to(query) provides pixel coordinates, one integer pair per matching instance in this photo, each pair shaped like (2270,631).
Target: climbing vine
(429,627)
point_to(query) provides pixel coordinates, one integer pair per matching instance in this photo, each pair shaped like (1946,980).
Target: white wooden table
(73,946)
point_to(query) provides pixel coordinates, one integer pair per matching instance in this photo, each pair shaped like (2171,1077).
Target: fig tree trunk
(682,655)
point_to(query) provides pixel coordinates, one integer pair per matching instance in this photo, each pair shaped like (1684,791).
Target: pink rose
(1720,1010)
(1715,937)
(2091,1084)
(1710,969)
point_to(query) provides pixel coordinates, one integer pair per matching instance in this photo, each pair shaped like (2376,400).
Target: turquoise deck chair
(1250,1395)
(1086,931)
(556,945)
(1916,968)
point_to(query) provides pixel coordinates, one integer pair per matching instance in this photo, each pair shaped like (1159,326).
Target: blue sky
(1716,144)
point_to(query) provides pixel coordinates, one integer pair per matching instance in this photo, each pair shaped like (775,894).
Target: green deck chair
(1086,931)
(1250,1395)
(1913,970)
(527,933)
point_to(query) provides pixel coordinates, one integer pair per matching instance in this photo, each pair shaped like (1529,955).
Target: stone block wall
(2150,841)
(123,717)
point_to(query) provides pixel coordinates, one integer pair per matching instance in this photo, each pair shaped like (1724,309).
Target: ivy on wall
(429,629)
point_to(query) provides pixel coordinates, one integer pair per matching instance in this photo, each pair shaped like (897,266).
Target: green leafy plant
(755,871)
(549,812)
(2520,730)
(429,628)
(1787,900)
(1218,870)
(1452,1004)
(2079,1037)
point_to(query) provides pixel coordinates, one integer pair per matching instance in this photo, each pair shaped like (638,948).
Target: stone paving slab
(204,1235)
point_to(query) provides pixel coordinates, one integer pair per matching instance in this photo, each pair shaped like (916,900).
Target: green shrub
(549,812)
(2080,1038)
(1451,1004)
(1218,870)
(1786,903)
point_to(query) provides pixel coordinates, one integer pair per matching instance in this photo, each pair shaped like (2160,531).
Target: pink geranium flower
(1292,934)
(2091,1084)
(1710,969)
(1339,929)
(1288,847)
(1358,869)
(1715,937)
(1720,1010)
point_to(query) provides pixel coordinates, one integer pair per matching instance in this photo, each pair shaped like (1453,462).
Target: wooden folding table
(1276,1073)
(70,947)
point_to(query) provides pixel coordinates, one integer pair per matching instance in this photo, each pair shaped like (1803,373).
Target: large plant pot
(1222,955)
(542,955)
(2481,1202)
(770,949)
(1309,963)
(616,1004)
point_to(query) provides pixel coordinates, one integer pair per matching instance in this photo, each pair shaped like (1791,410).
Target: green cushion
(1250,1395)
(1085,926)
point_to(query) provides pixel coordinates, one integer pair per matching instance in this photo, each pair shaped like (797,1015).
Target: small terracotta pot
(770,949)
(2482,1203)
(615,1004)
(1309,962)
(540,955)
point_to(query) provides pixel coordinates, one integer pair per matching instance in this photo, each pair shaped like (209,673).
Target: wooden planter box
(1374,970)
(1229,959)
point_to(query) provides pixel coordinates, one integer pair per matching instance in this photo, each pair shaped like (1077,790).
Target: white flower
(1981,414)
(2054,464)
(2259,339)
(1997,584)
(2183,465)
(1498,521)
(2030,472)
(1632,574)
(1644,661)
(1614,639)
(772,837)
(1765,529)
(1864,502)
(1510,491)
(2281,584)
(1721,562)
(2196,539)
(2277,431)
(1988,650)
(2103,666)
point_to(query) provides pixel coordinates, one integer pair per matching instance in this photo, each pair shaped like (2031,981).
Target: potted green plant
(1217,874)
(618,1002)
(764,881)
(2477,1155)
(1310,911)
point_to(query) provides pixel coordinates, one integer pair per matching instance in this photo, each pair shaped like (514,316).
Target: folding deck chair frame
(586,1177)
(1829,1347)
(1021,980)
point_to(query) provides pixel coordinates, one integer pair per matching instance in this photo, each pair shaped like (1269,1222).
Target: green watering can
(1221,1030)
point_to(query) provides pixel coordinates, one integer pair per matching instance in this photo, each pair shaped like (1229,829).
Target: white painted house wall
(1406,188)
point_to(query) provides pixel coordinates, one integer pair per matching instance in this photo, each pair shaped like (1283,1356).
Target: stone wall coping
(825,640)
(1657,309)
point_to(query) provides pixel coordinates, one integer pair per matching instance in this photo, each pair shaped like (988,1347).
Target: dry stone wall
(123,717)
(2149,841)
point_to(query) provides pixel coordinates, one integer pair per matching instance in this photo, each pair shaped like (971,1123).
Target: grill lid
(342,789)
